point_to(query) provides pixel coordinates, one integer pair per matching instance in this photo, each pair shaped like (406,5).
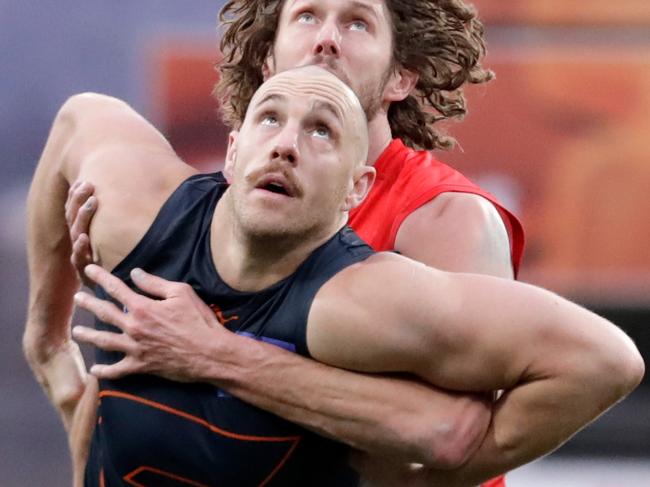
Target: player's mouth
(277,184)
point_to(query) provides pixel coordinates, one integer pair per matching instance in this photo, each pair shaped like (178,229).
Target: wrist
(228,358)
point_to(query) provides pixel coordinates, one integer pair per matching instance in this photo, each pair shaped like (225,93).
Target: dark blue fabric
(157,432)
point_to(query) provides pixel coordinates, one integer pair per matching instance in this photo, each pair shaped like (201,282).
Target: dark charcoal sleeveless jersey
(155,432)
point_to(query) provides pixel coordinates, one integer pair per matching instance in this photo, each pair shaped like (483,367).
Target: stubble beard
(254,228)
(259,233)
(371,95)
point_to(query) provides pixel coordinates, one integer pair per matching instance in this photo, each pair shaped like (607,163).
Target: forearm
(561,365)
(540,414)
(55,360)
(401,418)
(48,244)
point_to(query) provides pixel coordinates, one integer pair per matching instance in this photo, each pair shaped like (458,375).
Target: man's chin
(272,231)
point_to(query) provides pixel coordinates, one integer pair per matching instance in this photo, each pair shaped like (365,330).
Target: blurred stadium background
(562,137)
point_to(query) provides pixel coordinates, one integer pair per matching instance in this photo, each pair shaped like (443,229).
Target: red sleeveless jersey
(406,180)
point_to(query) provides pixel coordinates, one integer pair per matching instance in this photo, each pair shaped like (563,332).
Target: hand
(80,208)
(61,371)
(171,337)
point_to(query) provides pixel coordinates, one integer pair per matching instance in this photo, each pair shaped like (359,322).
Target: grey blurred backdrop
(51,50)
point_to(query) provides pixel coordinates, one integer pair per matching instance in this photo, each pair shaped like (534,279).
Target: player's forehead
(314,88)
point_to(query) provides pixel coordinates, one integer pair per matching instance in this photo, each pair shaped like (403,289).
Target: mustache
(256,176)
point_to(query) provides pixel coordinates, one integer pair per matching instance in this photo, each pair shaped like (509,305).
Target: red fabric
(406,180)
(498,482)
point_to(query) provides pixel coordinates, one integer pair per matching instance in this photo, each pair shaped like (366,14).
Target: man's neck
(379,136)
(250,264)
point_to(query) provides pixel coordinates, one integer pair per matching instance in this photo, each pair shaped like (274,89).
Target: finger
(113,286)
(77,196)
(104,310)
(126,366)
(154,285)
(106,340)
(81,254)
(83,217)
(72,189)
(162,288)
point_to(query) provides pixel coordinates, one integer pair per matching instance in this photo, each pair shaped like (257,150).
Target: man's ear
(362,180)
(231,155)
(400,85)
(268,68)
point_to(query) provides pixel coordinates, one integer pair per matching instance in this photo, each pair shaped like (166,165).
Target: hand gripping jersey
(406,180)
(159,433)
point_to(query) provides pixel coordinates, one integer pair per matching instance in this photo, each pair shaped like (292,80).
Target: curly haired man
(407,61)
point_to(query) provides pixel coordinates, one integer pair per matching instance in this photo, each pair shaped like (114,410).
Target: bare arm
(54,358)
(452,423)
(87,132)
(457,232)
(178,337)
(561,365)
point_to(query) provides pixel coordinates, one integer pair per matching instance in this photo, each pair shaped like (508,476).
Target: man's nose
(286,146)
(328,42)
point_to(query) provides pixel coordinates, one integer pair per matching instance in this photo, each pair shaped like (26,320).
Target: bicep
(457,232)
(355,322)
(400,316)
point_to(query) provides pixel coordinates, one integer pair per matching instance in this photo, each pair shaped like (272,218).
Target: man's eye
(322,132)
(359,25)
(306,18)
(269,120)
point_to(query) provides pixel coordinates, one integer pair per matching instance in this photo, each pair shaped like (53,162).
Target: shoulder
(95,114)
(457,231)
(116,149)
(470,209)
(98,122)
(129,162)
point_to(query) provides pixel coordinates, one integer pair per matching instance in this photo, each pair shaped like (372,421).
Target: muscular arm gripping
(561,365)
(457,232)
(433,234)
(178,337)
(85,136)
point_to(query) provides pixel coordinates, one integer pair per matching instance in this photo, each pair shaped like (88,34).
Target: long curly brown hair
(440,40)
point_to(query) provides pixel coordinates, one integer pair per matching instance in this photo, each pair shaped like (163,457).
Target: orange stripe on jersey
(279,465)
(195,419)
(129,478)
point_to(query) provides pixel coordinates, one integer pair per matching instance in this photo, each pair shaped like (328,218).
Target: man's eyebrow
(353,4)
(364,6)
(329,107)
(272,97)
